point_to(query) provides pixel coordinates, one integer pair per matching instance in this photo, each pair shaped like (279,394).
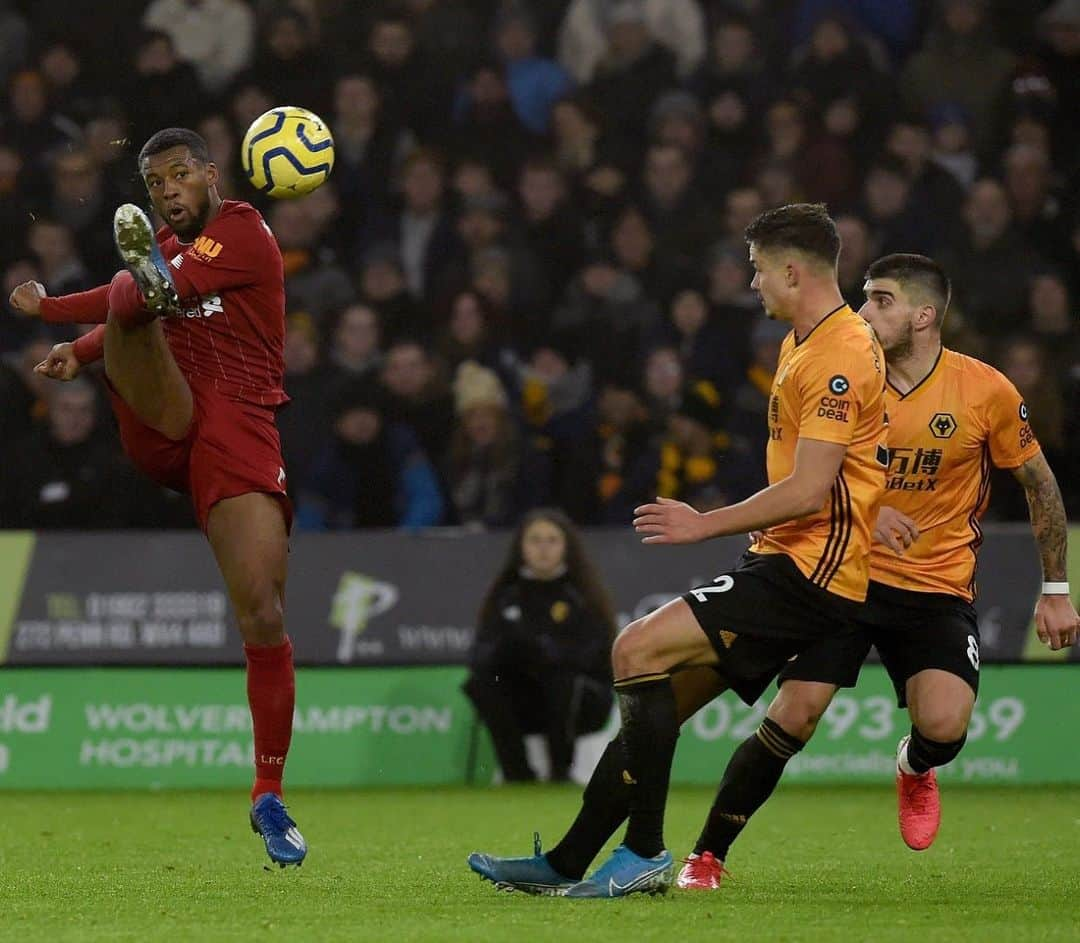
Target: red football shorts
(231,449)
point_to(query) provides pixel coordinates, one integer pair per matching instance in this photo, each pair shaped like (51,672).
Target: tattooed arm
(1056,620)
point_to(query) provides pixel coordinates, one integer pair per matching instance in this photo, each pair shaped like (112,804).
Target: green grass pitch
(389,865)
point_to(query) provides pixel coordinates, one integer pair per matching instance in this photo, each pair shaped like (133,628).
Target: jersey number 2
(723,584)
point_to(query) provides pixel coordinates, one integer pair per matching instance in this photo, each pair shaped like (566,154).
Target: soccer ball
(287,152)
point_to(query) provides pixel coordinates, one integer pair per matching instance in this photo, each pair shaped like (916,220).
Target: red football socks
(126,301)
(271,689)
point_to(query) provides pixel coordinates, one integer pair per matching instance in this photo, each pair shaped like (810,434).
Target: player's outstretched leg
(249,539)
(752,774)
(139,249)
(604,807)
(642,658)
(533,874)
(940,704)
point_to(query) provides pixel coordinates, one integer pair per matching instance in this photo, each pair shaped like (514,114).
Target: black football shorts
(763,613)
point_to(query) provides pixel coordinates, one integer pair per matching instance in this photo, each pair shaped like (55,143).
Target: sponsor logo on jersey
(839,384)
(205,249)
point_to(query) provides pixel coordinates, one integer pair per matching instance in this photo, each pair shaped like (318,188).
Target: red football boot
(701,873)
(919,805)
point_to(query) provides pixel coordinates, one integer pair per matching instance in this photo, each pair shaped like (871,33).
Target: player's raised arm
(803,492)
(1056,621)
(80,307)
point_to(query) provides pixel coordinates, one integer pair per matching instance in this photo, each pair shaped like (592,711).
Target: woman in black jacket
(541,662)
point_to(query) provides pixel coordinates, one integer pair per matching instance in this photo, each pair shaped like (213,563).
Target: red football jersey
(231,284)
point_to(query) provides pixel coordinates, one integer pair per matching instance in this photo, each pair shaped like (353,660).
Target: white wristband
(1055,589)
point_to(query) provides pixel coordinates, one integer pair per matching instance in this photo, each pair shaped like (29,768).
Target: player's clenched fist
(27,298)
(669,522)
(61,364)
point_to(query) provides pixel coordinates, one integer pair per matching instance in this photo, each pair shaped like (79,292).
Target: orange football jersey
(944,435)
(830,386)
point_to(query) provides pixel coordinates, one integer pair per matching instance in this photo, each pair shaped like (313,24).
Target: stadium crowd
(526,282)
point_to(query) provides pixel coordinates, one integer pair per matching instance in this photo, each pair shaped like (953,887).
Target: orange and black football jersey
(944,434)
(830,386)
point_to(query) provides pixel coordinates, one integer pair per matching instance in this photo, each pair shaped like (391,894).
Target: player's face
(179,187)
(770,281)
(891,314)
(543,548)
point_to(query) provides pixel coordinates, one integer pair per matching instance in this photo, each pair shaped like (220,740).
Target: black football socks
(650,729)
(750,778)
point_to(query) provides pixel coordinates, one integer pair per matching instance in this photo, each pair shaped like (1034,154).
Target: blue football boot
(142,257)
(533,875)
(284,843)
(626,873)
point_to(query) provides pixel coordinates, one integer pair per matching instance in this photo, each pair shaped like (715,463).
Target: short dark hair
(168,138)
(805,227)
(918,275)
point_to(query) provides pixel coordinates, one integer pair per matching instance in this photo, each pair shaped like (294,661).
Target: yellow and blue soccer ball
(287,152)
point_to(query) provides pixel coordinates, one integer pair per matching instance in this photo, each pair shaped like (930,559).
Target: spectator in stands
(662,379)
(960,63)
(490,478)
(369,147)
(71,91)
(14,39)
(820,165)
(67,474)
(632,72)
(553,230)
(911,140)
(79,202)
(596,166)
(315,281)
(416,95)
(248,100)
(164,90)
(593,34)
(356,352)
(732,304)
(954,148)
(535,83)
(676,211)
(897,223)
(555,390)
(837,66)
(470,332)
(449,33)
(1060,57)
(288,64)
(418,396)
(623,454)
(382,285)
(486,125)
(1025,362)
(304,425)
(216,36)
(540,662)
(23,392)
(991,264)
(62,271)
(224,147)
(696,462)
(31,126)
(371,473)
(609,319)
(1037,206)
(747,421)
(856,254)
(16,202)
(423,230)
(105,135)
(703,345)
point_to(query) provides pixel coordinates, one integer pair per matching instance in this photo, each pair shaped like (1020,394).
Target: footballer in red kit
(192,333)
